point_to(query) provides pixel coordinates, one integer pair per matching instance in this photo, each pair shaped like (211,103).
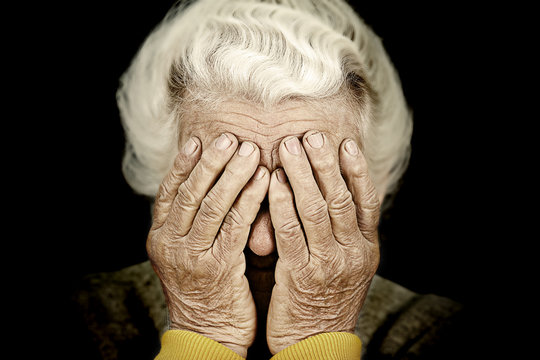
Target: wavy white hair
(265,52)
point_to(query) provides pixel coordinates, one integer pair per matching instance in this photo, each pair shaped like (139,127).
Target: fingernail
(351,148)
(316,140)
(190,146)
(223,142)
(293,146)
(260,173)
(280,174)
(245,149)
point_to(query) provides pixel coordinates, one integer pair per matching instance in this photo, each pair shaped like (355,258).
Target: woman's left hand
(326,234)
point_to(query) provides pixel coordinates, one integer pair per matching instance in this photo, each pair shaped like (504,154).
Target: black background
(437,238)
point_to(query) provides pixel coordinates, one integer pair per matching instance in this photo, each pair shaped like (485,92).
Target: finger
(183,165)
(217,203)
(325,166)
(311,206)
(290,240)
(192,191)
(234,232)
(366,199)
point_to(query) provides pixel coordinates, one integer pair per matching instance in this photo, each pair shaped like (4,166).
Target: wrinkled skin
(323,214)
(323,272)
(198,235)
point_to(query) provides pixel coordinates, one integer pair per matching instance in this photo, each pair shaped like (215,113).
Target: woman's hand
(200,228)
(327,243)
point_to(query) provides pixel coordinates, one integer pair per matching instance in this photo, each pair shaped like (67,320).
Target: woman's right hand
(201,224)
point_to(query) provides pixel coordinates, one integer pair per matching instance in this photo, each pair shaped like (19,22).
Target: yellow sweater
(187,345)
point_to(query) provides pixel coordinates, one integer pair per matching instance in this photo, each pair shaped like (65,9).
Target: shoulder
(400,323)
(124,311)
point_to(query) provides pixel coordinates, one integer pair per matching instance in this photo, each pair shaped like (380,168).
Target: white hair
(264,52)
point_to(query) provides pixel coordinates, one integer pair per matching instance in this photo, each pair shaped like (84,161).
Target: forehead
(267,127)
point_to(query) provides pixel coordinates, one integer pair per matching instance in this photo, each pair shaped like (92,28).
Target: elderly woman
(269,134)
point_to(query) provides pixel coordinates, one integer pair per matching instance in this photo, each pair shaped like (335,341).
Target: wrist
(217,336)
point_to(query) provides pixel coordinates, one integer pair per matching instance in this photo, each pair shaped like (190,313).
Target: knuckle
(372,197)
(368,223)
(178,161)
(186,193)
(211,164)
(315,211)
(371,205)
(212,206)
(325,165)
(361,175)
(170,183)
(370,233)
(367,197)
(165,191)
(234,220)
(290,227)
(240,169)
(181,168)
(342,202)
(368,194)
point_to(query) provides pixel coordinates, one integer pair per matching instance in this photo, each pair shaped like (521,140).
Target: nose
(269,157)
(261,237)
